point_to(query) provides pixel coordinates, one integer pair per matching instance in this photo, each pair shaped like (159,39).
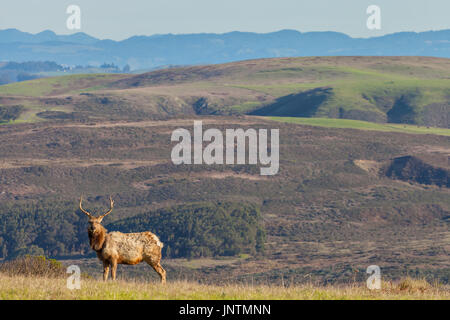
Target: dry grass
(38,288)
(32,266)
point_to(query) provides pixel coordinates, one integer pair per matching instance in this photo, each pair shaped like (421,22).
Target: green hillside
(363,125)
(406,90)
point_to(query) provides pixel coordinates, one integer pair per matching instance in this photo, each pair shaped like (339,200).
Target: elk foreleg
(105,270)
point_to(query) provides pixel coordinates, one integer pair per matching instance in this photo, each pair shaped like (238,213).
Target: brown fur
(97,238)
(115,248)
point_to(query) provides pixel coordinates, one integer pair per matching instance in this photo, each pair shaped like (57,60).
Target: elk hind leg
(159,269)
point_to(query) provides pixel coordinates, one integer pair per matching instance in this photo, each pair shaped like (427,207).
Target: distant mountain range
(146,52)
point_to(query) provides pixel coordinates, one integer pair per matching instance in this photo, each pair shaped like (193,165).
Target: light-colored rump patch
(158,242)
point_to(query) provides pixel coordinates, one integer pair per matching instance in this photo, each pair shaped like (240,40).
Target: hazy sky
(119,19)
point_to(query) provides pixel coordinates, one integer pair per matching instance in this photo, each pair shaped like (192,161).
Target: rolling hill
(402,90)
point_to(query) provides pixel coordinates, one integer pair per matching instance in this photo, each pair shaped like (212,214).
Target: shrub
(34,266)
(10,113)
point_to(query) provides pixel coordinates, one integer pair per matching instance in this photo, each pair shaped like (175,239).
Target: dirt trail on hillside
(161,123)
(140,124)
(120,163)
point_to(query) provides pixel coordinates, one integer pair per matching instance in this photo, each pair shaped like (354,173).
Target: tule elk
(123,248)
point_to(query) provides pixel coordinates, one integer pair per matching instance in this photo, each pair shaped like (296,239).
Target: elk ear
(97,239)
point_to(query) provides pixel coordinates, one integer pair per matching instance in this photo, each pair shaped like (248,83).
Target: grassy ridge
(411,90)
(56,85)
(27,288)
(363,125)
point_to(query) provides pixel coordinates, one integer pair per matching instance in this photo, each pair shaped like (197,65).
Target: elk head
(96,231)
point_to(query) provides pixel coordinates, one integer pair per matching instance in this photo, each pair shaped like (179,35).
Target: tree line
(56,229)
(202,230)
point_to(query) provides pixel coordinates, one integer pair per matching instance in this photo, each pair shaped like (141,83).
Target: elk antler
(111,206)
(81,208)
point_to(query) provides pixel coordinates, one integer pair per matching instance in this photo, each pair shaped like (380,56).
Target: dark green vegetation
(193,231)
(343,199)
(206,230)
(10,113)
(410,168)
